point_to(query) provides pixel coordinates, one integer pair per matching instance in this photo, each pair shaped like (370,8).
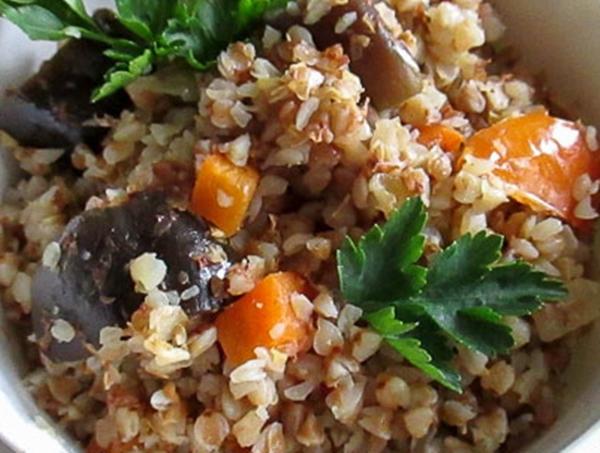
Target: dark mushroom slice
(51,108)
(90,287)
(385,65)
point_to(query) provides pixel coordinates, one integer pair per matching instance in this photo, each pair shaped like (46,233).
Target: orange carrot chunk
(264,317)
(448,139)
(222,192)
(541,157)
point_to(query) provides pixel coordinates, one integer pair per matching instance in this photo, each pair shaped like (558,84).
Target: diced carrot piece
(264,317)
(436,134)
(541,157)
(223,191)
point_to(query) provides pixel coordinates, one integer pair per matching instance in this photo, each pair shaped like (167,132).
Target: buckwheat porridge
(320,226)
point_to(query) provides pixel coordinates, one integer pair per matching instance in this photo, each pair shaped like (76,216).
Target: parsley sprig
(460,299)
(159,31)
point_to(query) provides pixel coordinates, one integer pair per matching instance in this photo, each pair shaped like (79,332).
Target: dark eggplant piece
(91,288)
(49,110)
(385,65)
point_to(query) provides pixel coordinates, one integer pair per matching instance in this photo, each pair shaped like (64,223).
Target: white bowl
(557,38)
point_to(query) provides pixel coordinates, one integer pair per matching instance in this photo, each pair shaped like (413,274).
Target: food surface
(47,110)
(82,279)
(317,226)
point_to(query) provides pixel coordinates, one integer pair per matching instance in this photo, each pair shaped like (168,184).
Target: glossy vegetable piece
(223,192)
(436,134)
(264,318)
(50,109)
(90,286)
(541,156)
(385,66)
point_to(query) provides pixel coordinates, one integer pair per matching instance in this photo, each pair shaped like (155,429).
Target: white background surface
(562,36)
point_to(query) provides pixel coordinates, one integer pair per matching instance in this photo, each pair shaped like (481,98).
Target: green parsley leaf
(35,21)
(425,348)
(78,7)
(123,74)
(52,20)
(460,299)
(146,18)
(69,11)
(251,11)
(160,30)
(200,29)
(466,297)
(385,322)
(382,266)
(428,350)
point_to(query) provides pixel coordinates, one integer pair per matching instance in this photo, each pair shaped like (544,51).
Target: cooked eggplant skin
(385,65)
(91,287)
(49,110)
